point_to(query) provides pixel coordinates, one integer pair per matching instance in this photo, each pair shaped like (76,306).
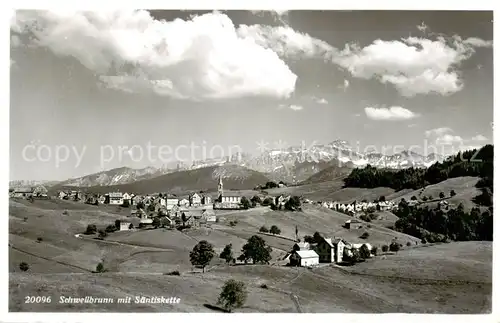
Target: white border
(225,4)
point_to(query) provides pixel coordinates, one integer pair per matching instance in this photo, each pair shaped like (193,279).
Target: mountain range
(294,164)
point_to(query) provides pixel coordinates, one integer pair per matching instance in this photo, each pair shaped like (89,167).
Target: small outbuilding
(304,258)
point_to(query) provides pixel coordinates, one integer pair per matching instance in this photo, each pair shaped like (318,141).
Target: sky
(86,87)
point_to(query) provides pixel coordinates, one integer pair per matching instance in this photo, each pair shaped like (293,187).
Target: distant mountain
(116,176)
(291,165)
(30,183)
(202,179)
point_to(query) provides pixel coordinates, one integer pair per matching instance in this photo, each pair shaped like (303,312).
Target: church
(226,202)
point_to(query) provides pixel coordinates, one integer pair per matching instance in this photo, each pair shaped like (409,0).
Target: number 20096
(37,299)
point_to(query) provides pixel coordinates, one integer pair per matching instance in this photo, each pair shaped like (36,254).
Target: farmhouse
(127,198)
(124,226)
(40,191)
(23,192)
(194,199)
(171,201)
(184,203)
(304,258)
(208,216)
(206,200)
(114,198)
(301,246)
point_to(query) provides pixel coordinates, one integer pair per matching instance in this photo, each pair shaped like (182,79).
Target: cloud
(390,114)
(448,139)
(413,65)
(201,58)
(295,107)
(438,131)
(286,42)
(345,85)
(478,42)
(320,100)
(479,138)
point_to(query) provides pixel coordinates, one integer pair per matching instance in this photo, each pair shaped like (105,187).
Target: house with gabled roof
(304,258)
(194,199)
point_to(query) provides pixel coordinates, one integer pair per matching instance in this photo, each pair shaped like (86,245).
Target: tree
(267,201)
(100,268)
(308,239)
(245,203)
(39,239)
(317,237)
(126,203)
(381,199)
(274,207)
(102,234)
(293,203)
(256,199)
(233,295)
(441,195)
(274,230)
(141,205)
(91,229)
(156,222)
(424,198)
(151,207)
(117,224)
(452,193)
(263,229)
(131,226)
(364,252)
(227,253)
(394,246)
(413,198)
(385,248)
(24,266)
(110,228)
(257,250)
(365,235)
(202,254)
(183,218)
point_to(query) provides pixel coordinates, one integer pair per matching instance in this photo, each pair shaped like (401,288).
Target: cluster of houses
(326,250)
(29,192)
(357,207)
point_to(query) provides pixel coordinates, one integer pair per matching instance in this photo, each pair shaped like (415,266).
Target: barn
(304,258)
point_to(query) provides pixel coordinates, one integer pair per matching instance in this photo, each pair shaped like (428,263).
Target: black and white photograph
(250,161)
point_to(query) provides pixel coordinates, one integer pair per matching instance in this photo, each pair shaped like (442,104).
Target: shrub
(274,230)
(24,266)
(65,212)
(365,235)
(91,229)
(441,195)
(374,251)
(102,234)
(173,273)
(413,198)
(39,239)
(385,248)
(394,247)
(263,286)
(408,244)
(263,229)
(452,193)
(267,201)
(100,268)
(110,228)
(424,198)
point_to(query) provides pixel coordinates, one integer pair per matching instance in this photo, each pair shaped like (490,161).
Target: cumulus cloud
(201,58)
(413,65)
(438,131)
(479,138)
(448,139)
(320,100)
(390,114)
(478,42)
(295,107)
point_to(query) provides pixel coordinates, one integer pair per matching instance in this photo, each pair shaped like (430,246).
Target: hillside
(234,177)
(330,173)
(61,264)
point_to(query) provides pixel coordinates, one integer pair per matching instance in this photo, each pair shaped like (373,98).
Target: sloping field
(446,278)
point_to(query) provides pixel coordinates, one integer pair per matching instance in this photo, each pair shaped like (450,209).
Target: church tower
(220,188)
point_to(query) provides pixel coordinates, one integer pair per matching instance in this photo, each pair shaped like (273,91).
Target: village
(201,210)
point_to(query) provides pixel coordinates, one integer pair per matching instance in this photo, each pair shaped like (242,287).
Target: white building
(124,226)
(304,258)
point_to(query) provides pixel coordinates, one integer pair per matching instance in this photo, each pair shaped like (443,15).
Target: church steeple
(220,187)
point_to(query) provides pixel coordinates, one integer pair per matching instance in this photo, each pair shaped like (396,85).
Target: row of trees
(435,224)
(273,230)
(292,204)
(469,163)
(255,249)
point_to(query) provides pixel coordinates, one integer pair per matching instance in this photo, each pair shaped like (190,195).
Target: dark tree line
(438,225)
(467,163)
